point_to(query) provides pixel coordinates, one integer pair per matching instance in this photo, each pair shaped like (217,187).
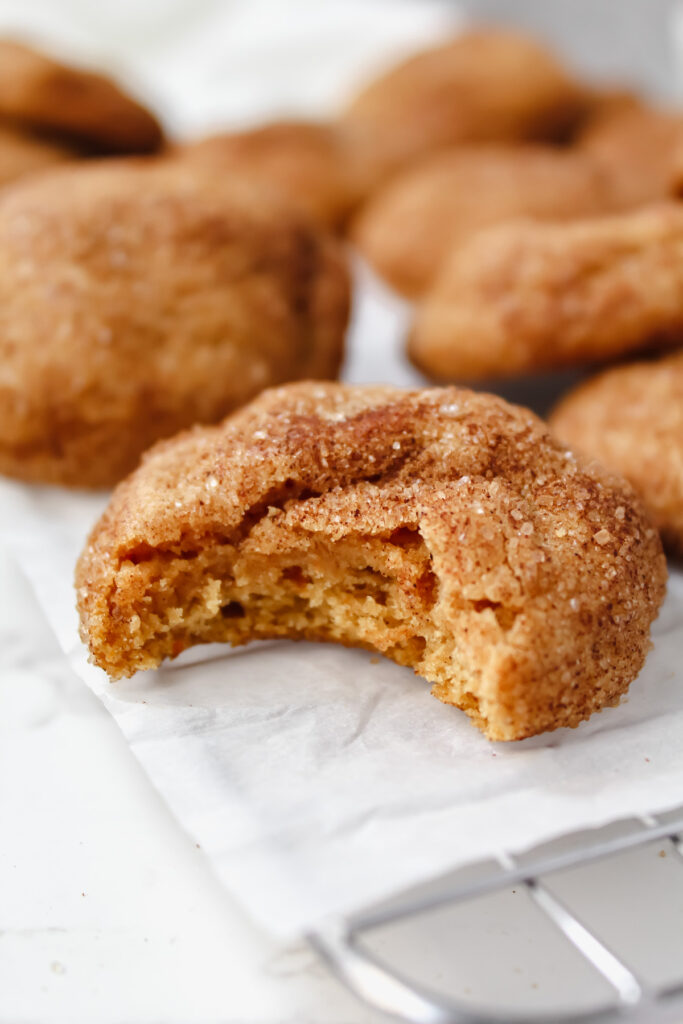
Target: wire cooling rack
(341,942)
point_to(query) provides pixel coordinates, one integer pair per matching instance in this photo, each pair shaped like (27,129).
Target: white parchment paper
(318,779)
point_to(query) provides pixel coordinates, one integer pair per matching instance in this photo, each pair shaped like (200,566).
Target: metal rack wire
(340,942)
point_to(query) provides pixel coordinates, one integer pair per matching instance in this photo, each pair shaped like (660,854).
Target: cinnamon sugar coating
(134,303)
(484,85)
(444,528)
(409,226)
(66,102)
(529,296)
(631,419)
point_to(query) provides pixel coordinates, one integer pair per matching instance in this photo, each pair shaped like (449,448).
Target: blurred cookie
(21,153)
(529,296)
(609,99)
(636,146)
(631,419)
(605,102)
(676,177)
(310,164)
(134,303)
(66,102)
(409,226)
(484,85)
(443,528)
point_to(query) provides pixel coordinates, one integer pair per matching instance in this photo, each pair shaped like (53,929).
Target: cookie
(676,175)
(66,102)
(446,529)
(605,101)
(310,164)
(408,227)
(527,296)
(631,419)
(134,303)
(636,146)
(22,153)
(484,85)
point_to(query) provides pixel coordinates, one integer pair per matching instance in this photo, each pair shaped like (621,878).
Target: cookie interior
(380,593)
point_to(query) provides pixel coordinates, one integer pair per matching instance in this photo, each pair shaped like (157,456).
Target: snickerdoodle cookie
(22,153)
(134,303)
(444,528)
(529,296)
(635,145)
(312,164)
(631,419)
(484,85)
(66,102)
(409,226)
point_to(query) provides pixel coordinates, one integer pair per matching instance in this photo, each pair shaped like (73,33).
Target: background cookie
(21,153)
(676,178)
(636,146)
(443,528)
(311,164)
(87,108)
(134,303)
(631,419)
(484,85)
(409,226)
(530,296)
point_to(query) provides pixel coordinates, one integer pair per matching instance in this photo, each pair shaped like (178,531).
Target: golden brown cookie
(636,146)
(311,164)
(527,296)
(484,85)
(409,226)
(446,529)
(134,303)
(40,93)
(605,101)
(22,153)
(676,176)
(631,419)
